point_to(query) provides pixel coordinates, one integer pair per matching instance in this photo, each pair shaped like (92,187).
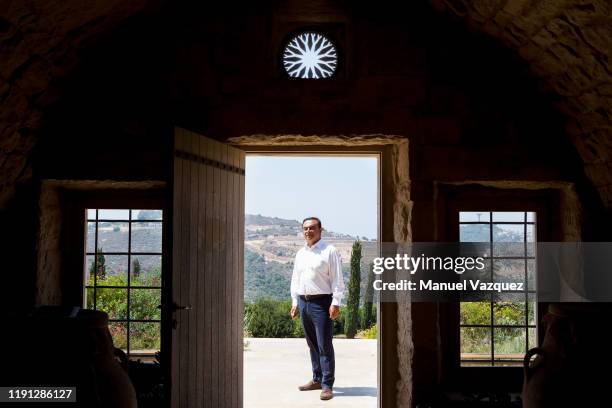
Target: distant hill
(260,226)
(270,247)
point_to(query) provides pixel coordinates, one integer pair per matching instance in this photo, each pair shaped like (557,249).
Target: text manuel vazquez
(436,263)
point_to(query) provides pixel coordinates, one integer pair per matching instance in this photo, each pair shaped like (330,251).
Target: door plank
(208,230)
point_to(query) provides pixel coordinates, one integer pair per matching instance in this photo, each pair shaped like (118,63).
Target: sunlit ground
(273,369)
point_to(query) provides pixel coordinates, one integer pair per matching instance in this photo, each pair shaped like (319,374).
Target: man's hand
(293,313)
(334,311)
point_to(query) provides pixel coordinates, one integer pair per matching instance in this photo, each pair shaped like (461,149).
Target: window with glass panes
(499,331)
(123,265)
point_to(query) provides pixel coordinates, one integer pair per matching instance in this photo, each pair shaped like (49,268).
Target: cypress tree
(352,304)
(136,268)
(369,299)
(99,267)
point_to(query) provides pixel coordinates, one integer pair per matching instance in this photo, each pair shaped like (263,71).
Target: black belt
(311,297)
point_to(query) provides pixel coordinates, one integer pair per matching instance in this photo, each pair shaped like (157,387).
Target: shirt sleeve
(337,281)
(295,281)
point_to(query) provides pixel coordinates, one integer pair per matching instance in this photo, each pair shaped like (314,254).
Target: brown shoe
(327,394)
(311,385)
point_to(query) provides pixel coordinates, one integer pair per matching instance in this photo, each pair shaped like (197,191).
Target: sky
(341,191)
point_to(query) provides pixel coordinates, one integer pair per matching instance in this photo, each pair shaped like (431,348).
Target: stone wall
(567,44)
(91,92)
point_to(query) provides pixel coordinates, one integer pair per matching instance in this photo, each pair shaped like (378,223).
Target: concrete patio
(273,369)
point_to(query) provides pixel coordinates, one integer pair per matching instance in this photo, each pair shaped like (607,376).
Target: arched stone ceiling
(567,43)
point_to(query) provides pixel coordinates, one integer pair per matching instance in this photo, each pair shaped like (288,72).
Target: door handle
(176,307)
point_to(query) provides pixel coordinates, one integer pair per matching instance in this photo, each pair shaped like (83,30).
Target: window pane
(531,274)
(112,301)
(531,313)
(91,214)
(113,236)
(476,343)
(144,304)
(474,232)
(89,260)
(146,237)
(508,233)
(475,313)
(472,216)
(530,216)
(89,298)
(509,343)
(508,240)
(114,214)
(146,270)
(146,215)
(118,332)
(144,337)
(531,239)
(91,237)
(533,338)
(508,297)
(509,313)
(484,275)
(508,270)
(512,216)
(112,270)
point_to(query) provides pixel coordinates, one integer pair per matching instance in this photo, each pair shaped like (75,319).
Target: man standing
(316,291)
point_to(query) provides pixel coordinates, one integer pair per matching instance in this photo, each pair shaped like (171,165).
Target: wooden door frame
(393,226)
(452,198)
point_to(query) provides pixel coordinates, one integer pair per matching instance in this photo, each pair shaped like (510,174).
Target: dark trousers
(318,330)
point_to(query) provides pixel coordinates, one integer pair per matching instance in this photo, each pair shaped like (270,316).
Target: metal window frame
(491,362)
(129,255)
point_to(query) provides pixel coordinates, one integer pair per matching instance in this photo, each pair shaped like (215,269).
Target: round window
(310,55)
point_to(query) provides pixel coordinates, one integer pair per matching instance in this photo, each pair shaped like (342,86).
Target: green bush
(478,339)
(143,305)
(367,317)
(338,326)
(298,331)
(270,318)
(368,333)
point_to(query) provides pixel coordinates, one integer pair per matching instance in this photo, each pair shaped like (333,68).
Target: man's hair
(312,218)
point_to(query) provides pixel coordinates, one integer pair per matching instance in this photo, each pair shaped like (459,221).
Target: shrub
(338,326)
(368,333)
(298,331)
(364,321)
(269,318)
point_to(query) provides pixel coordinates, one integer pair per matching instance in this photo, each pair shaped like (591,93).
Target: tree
(98,268)
(352,304)
(369,299)
(148,215)
(136,268)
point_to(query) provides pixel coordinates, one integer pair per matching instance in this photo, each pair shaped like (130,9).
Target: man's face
(312,231)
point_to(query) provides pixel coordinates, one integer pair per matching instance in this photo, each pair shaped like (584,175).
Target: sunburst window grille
(310,55)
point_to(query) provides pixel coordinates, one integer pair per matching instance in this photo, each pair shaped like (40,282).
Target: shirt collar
(317,245)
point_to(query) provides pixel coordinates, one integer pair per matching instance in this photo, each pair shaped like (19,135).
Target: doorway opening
(281,189)
(207,285)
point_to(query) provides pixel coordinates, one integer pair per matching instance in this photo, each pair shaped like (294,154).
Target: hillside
(270,247)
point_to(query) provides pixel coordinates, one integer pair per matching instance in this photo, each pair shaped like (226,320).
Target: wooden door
(207,273)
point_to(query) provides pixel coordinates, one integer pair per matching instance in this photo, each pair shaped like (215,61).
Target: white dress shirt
(317,270)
